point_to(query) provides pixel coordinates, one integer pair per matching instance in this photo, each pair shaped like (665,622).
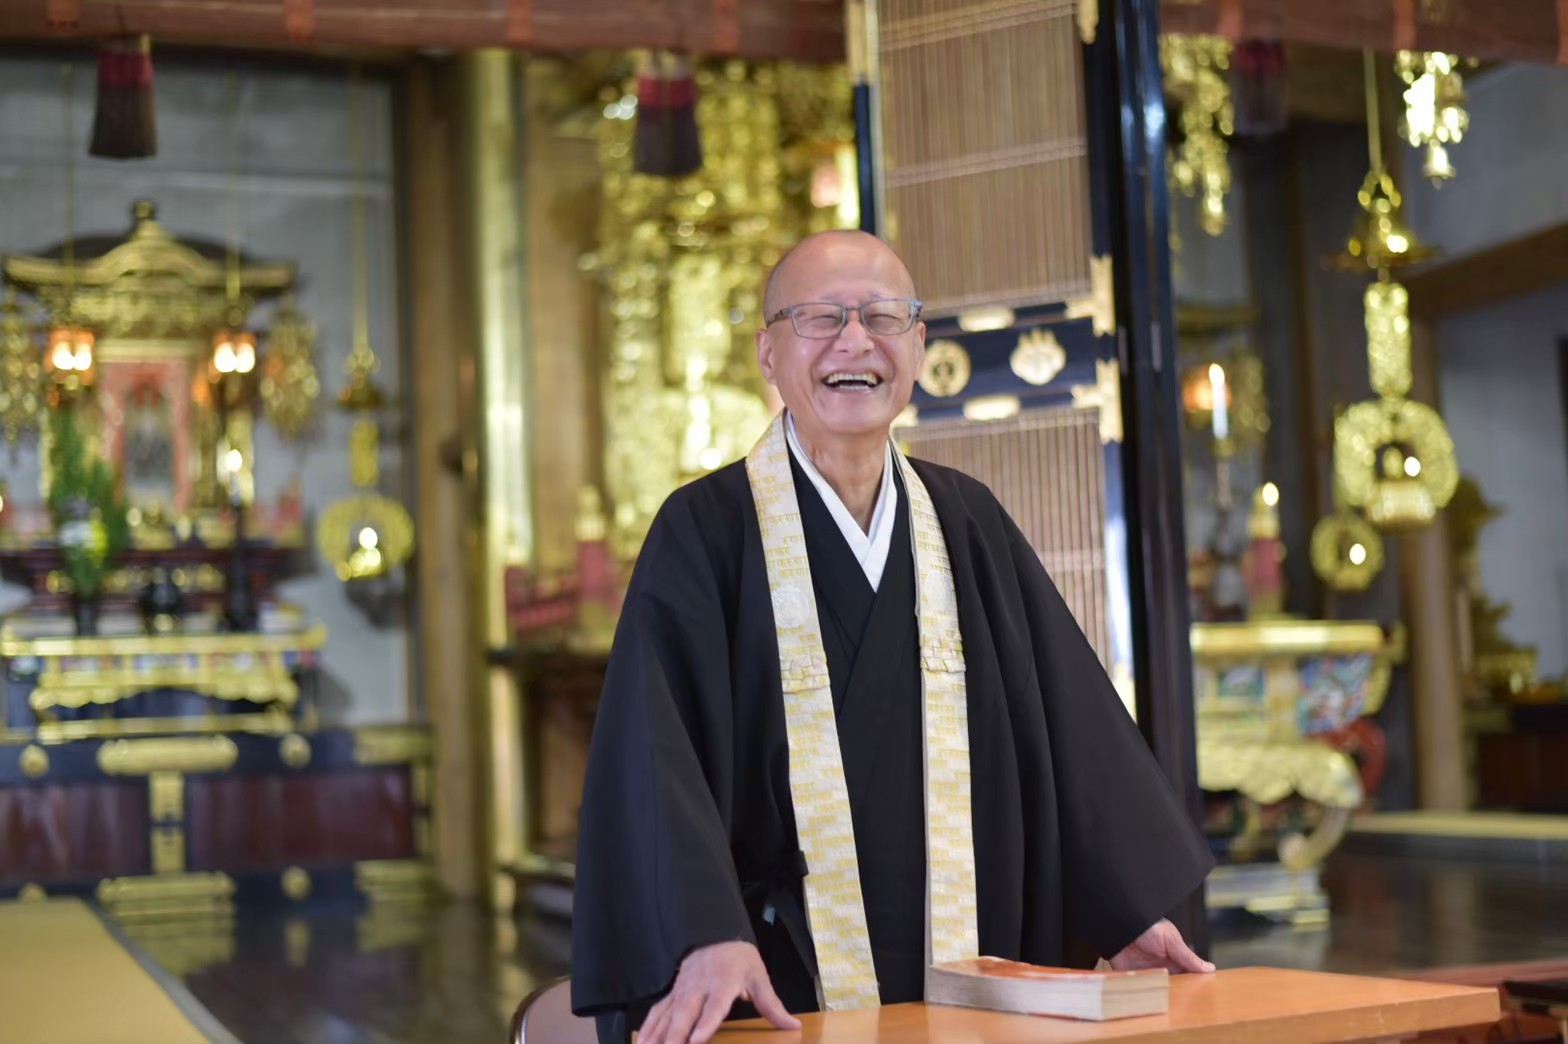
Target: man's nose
(854,334)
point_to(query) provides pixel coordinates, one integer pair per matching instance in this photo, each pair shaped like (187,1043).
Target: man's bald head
(815,246)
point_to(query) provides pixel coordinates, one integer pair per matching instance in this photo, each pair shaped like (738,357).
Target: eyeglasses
(821,319)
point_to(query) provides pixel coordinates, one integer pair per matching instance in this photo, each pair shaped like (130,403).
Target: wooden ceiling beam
(1512,269)
(802,30)
(1500,30)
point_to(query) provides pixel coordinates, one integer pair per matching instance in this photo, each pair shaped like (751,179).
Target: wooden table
(1258,1005)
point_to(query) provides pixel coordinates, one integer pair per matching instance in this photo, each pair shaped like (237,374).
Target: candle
(1221,411)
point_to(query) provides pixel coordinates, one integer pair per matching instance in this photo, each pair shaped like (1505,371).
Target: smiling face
(850,386)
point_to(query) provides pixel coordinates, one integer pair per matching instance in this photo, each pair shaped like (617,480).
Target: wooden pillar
(442,357)
(1426,589)
(1126,101)
(495,221)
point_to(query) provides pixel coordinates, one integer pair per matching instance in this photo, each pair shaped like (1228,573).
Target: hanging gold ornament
(1197,74)
(290,384)
(1393,458)
(366,534)
(1346,551)
(21,373)
(1435,115)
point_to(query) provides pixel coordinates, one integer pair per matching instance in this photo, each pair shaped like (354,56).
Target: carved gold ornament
(1346,551)
(1388,338)
(1038,358)
(21,372)
(1394,459)
(290,384)
(1197,76)
(364,535)
(1435,115)
(947,368)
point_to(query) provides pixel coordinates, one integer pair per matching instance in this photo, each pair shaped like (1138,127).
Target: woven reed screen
(1047,467)
(984,158)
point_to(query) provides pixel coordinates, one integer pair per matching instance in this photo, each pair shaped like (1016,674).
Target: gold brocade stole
(835,910)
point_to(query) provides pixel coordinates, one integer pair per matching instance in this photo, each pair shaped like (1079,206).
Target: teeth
(870,379)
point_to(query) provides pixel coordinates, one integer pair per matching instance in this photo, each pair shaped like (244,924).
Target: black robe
(687,833)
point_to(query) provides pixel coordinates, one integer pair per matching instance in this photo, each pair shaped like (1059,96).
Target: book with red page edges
(1030,989)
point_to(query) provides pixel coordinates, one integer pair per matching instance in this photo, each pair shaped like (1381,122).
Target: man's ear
(920,349)
(765,356)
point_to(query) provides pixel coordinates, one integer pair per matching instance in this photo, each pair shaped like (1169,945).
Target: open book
(1029,989)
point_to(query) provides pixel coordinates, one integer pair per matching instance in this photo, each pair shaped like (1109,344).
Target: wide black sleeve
(1130,851)
(655,876)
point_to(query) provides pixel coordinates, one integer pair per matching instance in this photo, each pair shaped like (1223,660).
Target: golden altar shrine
(162,750)
(1287,750)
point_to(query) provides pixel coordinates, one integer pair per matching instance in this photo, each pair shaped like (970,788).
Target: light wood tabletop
(1257,1005)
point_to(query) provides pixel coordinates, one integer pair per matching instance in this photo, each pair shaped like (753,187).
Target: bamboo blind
(1047,467)
(984,156)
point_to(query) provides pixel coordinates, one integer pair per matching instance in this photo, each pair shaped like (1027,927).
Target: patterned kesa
(834,907)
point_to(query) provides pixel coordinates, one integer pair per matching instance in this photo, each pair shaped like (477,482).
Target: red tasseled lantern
(125,126)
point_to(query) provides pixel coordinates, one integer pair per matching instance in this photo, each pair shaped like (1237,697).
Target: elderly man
(849,727)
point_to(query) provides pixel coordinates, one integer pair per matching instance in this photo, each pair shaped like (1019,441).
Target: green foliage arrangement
(88,512)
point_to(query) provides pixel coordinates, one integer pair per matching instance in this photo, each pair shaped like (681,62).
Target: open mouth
(852,381)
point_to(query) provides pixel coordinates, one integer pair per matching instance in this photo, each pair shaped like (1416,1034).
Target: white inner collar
(871,548)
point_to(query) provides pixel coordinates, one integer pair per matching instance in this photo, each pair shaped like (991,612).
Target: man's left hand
(1160,947)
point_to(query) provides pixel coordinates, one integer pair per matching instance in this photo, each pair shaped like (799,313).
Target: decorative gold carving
(1388,338)
(391,745)
(295,883)
(140,757)
(983,320)
(1105,396)
(364,535)
(394,880)
(21,373)
(1197,76)
(1100,304)
(1286,639)
(32,892)
(1346,551)
(33,761)
(148,287)
(683,261)
(1088,20)
(992,407)
(1300,852)
(1395,459)
(1272,771)
(274,721)
(164,896)
(166,795)
(294,750)
(947,368)
(168,850)
(290,384)
(1038,358)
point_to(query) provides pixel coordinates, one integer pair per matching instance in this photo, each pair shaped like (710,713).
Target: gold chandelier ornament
(1346,551)
(290,384)
(21,374)
(1435,115)
(366,534)
(1197,75)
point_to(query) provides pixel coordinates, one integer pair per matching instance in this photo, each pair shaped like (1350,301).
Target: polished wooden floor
(335,974)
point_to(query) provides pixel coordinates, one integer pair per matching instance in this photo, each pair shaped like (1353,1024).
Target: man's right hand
(710,980)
